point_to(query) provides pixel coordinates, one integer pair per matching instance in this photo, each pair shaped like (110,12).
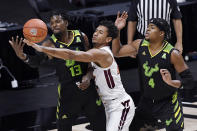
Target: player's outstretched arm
(93,55)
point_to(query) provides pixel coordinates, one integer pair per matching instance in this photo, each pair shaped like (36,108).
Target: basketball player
(119,106)
(72,99)
(158,61)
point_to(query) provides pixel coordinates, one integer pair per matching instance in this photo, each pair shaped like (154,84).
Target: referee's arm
(177,23)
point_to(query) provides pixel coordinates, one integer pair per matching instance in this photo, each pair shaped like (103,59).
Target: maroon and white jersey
(108,80)
(119,106)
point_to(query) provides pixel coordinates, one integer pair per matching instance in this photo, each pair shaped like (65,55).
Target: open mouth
(147,34)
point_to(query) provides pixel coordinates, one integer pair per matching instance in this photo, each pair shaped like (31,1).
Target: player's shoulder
(99,51)
(176,55)
(96,50)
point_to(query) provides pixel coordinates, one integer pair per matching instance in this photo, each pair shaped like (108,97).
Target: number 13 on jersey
(74,69)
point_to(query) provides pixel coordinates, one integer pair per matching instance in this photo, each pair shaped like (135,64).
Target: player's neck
(156,45)
(67,36)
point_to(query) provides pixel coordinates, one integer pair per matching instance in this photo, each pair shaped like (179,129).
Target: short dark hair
(162,25)
(112,29)
(62,13)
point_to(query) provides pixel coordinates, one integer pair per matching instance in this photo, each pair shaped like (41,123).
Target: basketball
(35,30)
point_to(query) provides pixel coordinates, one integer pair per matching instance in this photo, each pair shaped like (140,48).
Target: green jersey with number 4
(153,85)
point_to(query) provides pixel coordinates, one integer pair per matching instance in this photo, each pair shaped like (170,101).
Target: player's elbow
(117,55)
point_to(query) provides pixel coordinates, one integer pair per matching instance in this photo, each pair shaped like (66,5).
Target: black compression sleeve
(187,79)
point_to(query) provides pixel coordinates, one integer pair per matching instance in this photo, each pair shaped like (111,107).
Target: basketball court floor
(190,113)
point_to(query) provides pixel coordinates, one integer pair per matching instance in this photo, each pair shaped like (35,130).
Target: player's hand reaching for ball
(35,46)
(17,44)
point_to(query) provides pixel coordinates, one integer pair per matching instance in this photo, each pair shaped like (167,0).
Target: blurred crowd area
(19,11)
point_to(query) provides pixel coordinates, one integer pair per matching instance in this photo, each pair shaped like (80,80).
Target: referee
(143,10)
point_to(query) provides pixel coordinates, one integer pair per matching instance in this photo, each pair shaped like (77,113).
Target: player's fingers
(118,14)
(23,44)
(124,14)
(13,39)
(27,42)
(17,39)
(11,43)
(20,41)
(83,85)
(163,70)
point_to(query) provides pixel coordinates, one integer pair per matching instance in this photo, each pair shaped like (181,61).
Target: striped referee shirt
(143,10)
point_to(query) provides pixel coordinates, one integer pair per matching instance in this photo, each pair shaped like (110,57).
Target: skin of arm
(70,54)
(178,61)
(98,56)
(85,82)
(179,65)
(125,50)
(179,32)
(48,43)
(87,44)
(166,76)
(117,49)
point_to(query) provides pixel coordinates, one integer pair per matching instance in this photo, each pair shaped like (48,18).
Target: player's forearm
(131,29)
(116,45)
(175,83)
(89,73)
(119,50)
(67,54)
(58,53)
(178,29)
